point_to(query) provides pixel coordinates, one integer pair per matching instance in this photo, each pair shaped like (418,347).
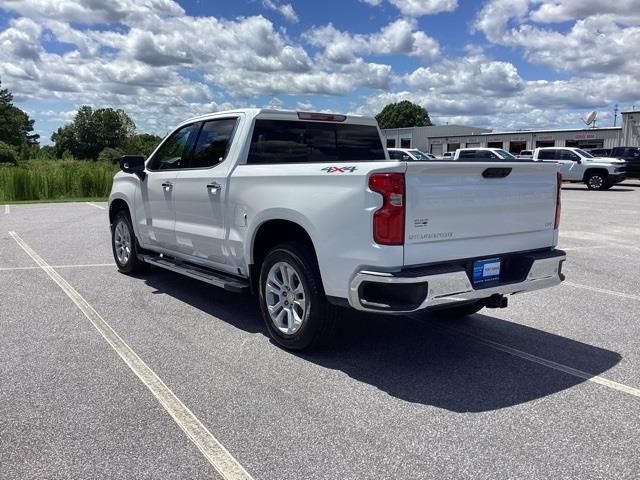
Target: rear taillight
(388,220)
(558,203)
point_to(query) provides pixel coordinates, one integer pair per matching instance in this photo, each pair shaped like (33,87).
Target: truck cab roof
(294,115)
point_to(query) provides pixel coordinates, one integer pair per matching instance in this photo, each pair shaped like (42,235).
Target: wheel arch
(273,232)
(118,205)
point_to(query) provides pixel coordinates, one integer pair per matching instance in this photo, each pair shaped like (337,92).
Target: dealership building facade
(447,138)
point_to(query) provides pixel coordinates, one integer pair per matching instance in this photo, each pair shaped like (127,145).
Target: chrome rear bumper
(453,285)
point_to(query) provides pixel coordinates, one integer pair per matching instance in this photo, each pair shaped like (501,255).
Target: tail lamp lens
(388,220)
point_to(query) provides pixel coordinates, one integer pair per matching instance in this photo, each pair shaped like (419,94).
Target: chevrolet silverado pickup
(577,165)
(307,211)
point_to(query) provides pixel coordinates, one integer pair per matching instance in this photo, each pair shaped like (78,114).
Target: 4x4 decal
(339,169)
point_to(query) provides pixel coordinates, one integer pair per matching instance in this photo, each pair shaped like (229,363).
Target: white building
(448,138)
(419,137)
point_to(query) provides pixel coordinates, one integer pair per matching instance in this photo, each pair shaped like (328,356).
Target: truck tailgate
(457,210)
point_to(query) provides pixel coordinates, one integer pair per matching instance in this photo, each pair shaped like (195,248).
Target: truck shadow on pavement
(424,359)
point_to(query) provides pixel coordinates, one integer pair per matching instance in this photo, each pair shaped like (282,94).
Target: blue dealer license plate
(486,270)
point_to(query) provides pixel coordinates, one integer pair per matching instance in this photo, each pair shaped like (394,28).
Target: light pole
(615,114)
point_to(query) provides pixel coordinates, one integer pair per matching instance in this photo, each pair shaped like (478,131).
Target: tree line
(107,133)
(101,134)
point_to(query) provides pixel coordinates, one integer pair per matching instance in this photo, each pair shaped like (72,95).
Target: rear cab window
(296,141)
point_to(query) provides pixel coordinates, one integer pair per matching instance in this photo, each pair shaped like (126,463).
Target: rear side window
(547,154)
(213,143)
(467,154)
(278,141)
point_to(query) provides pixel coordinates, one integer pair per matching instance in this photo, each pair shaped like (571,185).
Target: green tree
(8,154)
(141,144)
(109,154)
(65,140)
(84,130)
(403,114)
(91,132)
(16,128)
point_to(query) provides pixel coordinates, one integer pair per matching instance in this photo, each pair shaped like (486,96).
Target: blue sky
(501,64)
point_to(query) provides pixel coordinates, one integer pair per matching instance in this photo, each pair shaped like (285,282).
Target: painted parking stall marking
(544,362)
(95,205)
(219,457)
(7,209)
(88,265)
(602,290)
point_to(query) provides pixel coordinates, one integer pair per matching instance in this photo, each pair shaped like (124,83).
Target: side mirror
(133,164)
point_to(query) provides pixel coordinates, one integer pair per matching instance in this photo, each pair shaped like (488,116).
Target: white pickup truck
(576,165)
(307,211)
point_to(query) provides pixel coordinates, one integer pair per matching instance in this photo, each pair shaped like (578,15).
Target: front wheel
(292,301)
(124,245)
(597,181)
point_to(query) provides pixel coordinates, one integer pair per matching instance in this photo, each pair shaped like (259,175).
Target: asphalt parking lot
(548,388)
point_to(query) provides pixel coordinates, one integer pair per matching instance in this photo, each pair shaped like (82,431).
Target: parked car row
(599,169)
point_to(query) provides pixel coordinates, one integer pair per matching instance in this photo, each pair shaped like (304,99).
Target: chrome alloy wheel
(285,298)
(596,182)
(122,242)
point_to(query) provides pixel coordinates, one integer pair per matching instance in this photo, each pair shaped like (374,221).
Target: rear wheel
(597,181)
(125,246)
(460,311)
(292,302)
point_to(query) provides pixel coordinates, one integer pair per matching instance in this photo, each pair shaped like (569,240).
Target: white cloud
(286,9)
(561,11)
(605,42)
(92,11)
(398,37)
(419,8)
(474,75)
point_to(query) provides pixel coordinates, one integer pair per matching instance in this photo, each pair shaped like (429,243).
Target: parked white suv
(576,165)
(307,211)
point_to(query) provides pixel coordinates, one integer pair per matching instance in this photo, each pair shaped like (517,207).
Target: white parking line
(94,205)
(546,363)
(88,265)
(602,290)
(7,209)
(573,249)
(211,448)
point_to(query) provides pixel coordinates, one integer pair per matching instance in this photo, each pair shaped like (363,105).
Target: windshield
(584,154)
(503,154)
(419,154)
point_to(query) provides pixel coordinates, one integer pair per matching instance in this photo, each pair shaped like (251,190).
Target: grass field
(56,180)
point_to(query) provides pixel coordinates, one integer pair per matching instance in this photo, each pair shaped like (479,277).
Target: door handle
(213,187)
(167,185)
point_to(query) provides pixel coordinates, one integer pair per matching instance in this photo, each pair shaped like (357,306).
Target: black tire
(461,311)
(597,181)
(318,318)
(131,265)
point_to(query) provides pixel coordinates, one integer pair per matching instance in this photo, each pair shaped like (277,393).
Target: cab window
(174,152)
(213,143)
